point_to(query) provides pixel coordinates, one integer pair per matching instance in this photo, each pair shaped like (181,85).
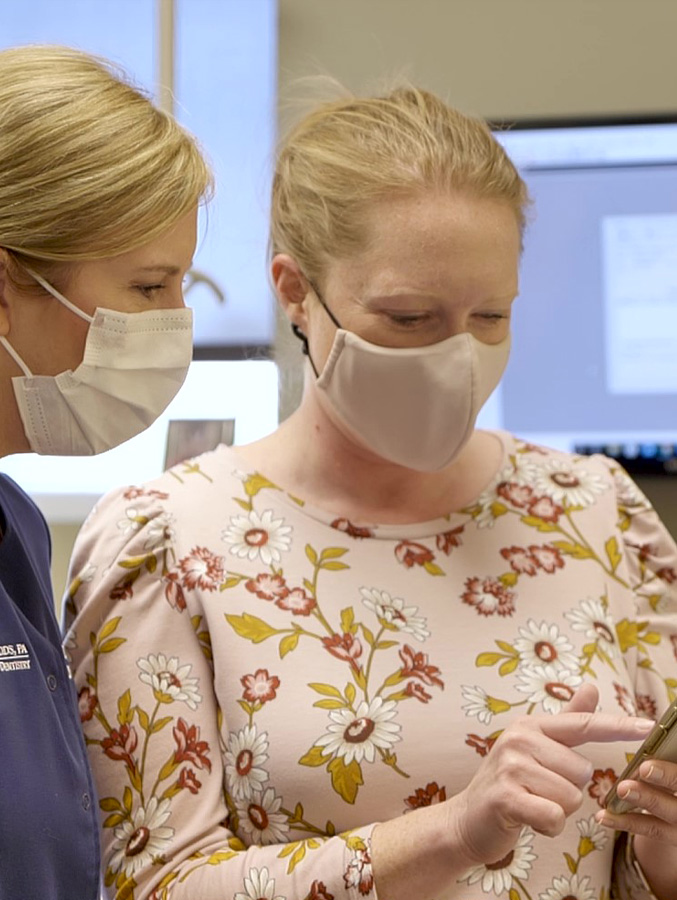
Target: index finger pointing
(576,728)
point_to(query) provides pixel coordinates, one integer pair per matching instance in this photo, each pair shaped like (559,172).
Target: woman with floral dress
(380,653)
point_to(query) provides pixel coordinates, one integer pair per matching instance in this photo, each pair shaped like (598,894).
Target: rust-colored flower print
(355,531)
(416,665)
(120,744)
(87,701)
(427,796)
(644,551)
(480,744)
(188,779)
(667,574)
(601,783)
(344,646)
(261,686)
(359,874)
(646,706)
(202,569)
(174,592)
(133,493)
(447,540)
(267,587)
(123,590)
(189,747)
(414,689)
(545,508)
(489,597)
(318,891)
(521,561)
(517,495)
(298,602)
(412,554)
(548,558)
(624,699)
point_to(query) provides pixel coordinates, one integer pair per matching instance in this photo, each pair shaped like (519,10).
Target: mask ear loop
(304,347)
(301,336)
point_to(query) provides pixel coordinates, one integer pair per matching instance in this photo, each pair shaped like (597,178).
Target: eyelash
(413,321)
(149,289)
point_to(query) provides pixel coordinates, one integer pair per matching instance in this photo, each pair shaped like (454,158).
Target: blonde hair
(89,167)
(349,153)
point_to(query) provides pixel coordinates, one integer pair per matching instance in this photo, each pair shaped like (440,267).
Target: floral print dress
(260,682)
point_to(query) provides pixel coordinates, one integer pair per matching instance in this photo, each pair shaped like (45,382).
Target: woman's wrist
(419,853)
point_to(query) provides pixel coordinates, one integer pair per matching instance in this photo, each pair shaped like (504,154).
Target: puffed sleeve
(649,641)
(142,664)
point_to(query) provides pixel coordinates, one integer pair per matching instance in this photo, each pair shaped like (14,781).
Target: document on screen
(639,266)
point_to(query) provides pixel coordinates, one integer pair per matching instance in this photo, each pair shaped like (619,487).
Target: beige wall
(497,58)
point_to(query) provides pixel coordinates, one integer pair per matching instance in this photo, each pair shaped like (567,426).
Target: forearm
(417,855)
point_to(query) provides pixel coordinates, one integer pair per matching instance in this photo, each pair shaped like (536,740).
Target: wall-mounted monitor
(594,359)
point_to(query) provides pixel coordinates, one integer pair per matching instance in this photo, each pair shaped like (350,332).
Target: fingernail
(653,773)
(603,818)
(628,794)
(645,724)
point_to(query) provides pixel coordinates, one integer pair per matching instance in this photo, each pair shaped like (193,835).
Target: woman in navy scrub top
(98,201)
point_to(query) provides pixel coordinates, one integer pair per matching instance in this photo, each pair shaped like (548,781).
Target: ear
(291,287)
(4,305)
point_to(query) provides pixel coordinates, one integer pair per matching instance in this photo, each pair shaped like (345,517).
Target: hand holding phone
(660,744)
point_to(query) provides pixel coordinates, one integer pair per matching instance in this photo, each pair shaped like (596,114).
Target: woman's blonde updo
(350,153)
(89,167)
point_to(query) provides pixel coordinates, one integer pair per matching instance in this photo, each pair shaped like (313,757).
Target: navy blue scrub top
(49,848)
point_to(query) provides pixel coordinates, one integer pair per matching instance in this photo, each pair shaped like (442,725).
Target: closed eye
(408,321)
(149,290)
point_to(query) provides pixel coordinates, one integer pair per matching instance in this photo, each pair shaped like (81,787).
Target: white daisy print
(395,613)
(573,887)
(592,619)
(159,531)
(480,704)
(132,522)
(543,644)
(548,685)
(628,493)
(169,680)
(245,754)
(486,518)
(497,877)
(356,735)
(142,838)
(260,819)
(258,885)
(257,536)
(567,483)
(593,836)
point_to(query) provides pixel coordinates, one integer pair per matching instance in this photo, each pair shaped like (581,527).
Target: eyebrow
(163,267)
(169,270)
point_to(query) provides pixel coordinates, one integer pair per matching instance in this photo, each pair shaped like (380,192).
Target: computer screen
(594,355)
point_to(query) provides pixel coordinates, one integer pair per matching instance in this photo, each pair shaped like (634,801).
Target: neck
(309,456)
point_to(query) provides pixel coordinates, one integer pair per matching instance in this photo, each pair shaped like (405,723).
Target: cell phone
(661,743)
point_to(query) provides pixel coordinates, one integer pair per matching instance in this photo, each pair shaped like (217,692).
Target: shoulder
(18,512)
(559,469)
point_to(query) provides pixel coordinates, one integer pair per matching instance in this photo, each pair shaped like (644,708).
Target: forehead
(430,241)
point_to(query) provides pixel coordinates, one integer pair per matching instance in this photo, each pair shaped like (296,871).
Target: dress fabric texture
(260,682)
(48,812)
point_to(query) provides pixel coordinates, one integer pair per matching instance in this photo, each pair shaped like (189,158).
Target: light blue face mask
(133,366)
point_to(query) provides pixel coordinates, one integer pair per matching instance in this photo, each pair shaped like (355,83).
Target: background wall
(496,58)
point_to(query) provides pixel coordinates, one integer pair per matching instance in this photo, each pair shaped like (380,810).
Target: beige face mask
(415,406)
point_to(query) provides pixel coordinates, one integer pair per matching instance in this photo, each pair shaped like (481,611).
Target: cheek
(320,336)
